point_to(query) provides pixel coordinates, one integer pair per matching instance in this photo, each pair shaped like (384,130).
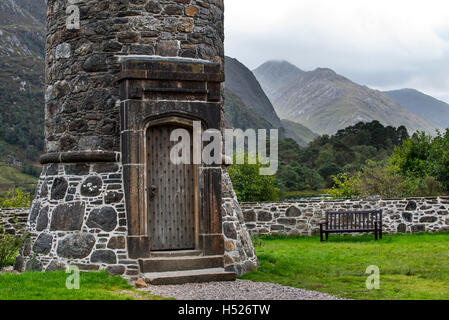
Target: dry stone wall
(13,221)
(303,218)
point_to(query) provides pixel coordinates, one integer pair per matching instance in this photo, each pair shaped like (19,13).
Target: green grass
(51,286)
(10,177)
(411,266)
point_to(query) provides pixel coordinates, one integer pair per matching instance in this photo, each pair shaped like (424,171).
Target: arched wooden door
(171,194)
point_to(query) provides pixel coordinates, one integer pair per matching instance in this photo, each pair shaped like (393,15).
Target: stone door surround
(156,90)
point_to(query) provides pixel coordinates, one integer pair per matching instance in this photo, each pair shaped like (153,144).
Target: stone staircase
(179,267)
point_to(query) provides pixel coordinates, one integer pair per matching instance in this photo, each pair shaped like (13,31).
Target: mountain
(242,82)
(326,102)
(22,51)
(22,28)
(247,106)
(301,134)
(238,115)
(427,107)
(274,75)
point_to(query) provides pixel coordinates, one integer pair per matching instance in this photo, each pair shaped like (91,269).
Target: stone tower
(120,76)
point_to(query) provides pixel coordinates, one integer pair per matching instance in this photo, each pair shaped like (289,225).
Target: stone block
(68,217)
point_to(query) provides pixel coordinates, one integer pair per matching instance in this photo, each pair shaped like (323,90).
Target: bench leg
(375,231)
(327,236)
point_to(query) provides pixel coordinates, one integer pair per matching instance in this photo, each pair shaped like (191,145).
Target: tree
(325,156)
(439,158)
(412,158)
(423,157)
(329,170)
(250,186)
(296,177)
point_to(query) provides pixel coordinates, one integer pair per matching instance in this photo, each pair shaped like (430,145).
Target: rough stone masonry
(412,215)
(86,209)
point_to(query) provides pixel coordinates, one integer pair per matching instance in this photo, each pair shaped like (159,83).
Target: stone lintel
(80,157)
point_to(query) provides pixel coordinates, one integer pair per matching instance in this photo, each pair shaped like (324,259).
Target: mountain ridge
(22,52)
(424,105)
(325,101)
(241,81)
(247,106)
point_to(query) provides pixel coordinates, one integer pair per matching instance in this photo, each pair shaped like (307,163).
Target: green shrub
(16,199)
(9,247)
(422,157)
(346,187)
(440,159)
(381,180)
(412,158)
(422,187)
(250,186)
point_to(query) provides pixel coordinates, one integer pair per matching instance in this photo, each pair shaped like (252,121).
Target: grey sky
(384,44)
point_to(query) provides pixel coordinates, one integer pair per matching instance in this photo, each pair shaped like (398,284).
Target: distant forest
(347,151)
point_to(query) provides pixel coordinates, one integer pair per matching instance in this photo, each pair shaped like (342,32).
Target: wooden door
(171,194)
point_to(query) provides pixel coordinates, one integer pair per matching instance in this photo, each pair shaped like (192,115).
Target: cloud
(384,44)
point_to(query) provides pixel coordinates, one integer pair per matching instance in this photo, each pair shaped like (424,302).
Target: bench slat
(353,221)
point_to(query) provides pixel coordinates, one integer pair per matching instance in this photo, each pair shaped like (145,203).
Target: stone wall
(78,215)
(240,256)
(82,110)
(303,218)
(79,218)
(13,221)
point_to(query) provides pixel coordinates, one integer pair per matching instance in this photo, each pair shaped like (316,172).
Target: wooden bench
(352,222)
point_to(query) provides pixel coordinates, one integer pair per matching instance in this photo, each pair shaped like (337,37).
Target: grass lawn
(10,177)
(51,286)
(411,266)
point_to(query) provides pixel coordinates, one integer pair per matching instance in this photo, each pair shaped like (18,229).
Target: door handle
(153,190)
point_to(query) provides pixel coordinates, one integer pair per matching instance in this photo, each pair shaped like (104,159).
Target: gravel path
(238,290)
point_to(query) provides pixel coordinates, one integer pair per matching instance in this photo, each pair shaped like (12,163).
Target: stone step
(178,253)
(180,263)
(190,276)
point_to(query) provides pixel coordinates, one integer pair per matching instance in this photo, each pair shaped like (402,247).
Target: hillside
(428,107)
(326,102)
(238,115)
(301,134)
(22,42)
(12,177)
(247,105)
(242,82)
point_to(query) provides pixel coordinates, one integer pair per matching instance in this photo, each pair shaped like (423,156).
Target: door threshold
(176,253)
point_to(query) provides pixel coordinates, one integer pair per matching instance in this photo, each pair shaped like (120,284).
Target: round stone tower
(82,95)
(120,75)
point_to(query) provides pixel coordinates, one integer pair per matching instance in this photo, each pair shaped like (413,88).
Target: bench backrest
(353,220)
